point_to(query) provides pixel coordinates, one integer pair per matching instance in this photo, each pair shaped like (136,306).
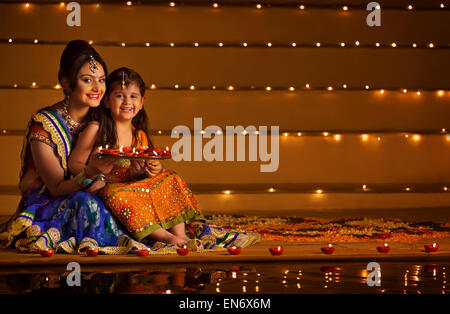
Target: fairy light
(379,139)
(216,5)
(10,40)
(330,88)
(153,86)
(258,6)
(342,44)
(357,43)
(172,4)
(410,7)
(302,7)
(404,91)
(230,88)
(34,84)
(414,45)
(381,91)
(319,191)
(57,86)
(394,45)
(440,93)
(129,3)
(294,44)
(345,8)
(269,44)
(367,86)
(344,86)
(271,190)
(192,87)
(337,137)
(442,6)
(299,134)
(220,44)
(377,44)
(27,5)
(408,189)
(159,132)
(268,88)
(244,44)
(325,133)
(36,41)
(147,44)
(228,192)
(123,44)
(291,89)
(318,44)
(285,134)
(431,45)
(62,4)
(172,44)
(91,42)
(416,137)
(418,93)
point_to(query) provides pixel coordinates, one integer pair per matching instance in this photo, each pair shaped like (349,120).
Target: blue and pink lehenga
(78,221)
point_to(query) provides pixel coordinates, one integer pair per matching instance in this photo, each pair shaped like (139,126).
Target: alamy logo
(74,277)
(374,277)
(374,17)
(74,17)
(214,148)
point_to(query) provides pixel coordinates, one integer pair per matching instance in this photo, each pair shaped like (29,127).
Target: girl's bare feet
(179,231)
(165,236)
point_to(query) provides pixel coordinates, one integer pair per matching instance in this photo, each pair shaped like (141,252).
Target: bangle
(100,177)
(82,179)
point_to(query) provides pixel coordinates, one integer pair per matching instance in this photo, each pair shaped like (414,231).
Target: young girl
(148,200)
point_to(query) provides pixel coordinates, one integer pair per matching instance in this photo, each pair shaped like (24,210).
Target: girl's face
(90,86)
(124,103)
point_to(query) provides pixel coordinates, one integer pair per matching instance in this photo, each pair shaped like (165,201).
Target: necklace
(73,126)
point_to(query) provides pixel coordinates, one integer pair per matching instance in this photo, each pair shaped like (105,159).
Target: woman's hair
(107,134)
(74,56)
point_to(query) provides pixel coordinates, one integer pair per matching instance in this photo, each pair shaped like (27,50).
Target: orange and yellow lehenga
(146,205)
(163,201)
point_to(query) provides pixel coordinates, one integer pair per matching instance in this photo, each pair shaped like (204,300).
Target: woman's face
(90,86)
(124,103)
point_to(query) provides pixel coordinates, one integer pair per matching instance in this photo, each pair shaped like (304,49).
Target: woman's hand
(99,164)
(153,167)
(96,186)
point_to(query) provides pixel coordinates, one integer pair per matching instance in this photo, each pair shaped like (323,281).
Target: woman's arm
(80,154)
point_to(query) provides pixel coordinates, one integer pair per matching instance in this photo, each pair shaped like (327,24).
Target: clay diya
(276,251)
(328,249)
(384,249)
(234,250)
(47,252)
(431,247)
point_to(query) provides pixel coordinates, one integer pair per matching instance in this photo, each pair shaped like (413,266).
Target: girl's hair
(107,134)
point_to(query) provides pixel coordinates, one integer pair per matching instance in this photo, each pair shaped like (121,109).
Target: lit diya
(384,249)
(276,251)
(183,251)
(328,249)
(431,247)
(142,252)
(47,252)
(136,153)
(234,250)
(92,252)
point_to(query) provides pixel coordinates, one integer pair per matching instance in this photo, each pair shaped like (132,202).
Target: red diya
(276,251)
(92,252)
(384,249)
(47,252)
(431,247)
(183,251)
(234,250)
(142,252)
(328,249)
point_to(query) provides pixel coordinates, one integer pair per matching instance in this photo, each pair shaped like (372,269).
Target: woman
(54,211)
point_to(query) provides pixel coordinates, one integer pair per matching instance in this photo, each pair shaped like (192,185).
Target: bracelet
(82,179)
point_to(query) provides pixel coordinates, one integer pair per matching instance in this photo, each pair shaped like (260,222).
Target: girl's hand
(153,167)
(137,168)
(96,186)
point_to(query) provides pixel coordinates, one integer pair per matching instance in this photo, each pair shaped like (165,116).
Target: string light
(410,7)
(216,5)
(302,7)
(172,4)
(240,45)
(258,6)
(129,3)
(345,8)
